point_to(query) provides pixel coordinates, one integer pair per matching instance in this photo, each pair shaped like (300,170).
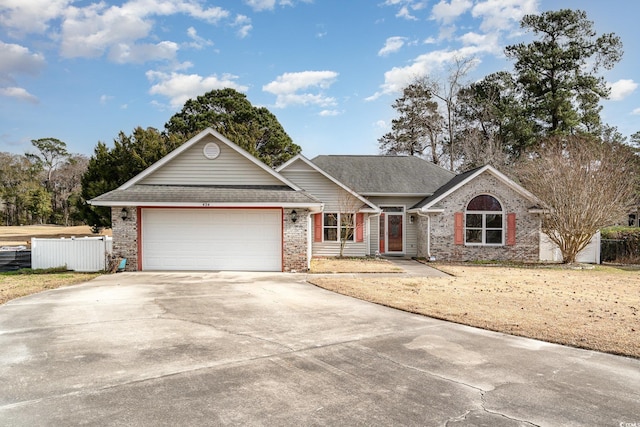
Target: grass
(352,265)
(16,284)
(595,309)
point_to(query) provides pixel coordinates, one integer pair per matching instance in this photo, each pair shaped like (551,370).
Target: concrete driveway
(269,349)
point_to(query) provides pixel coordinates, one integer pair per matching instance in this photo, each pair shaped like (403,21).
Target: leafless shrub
(584,183)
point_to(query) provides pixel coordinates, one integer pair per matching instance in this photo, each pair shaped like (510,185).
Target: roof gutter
(313,207)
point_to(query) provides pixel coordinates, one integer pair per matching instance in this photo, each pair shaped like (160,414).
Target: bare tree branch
(586,184)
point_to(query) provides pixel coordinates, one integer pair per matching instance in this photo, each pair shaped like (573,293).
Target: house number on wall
(206,204)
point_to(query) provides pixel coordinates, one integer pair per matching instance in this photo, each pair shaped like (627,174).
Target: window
(484,223)
(336,221)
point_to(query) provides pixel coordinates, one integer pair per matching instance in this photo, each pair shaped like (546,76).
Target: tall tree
(51,153)
(419,125)
(558,70)
(229,112)
(584,183)
(493,121)
(66,182)
(109,168)
(448,91)
(18,176)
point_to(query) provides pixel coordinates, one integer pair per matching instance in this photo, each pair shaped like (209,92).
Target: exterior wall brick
(295,243)
(125,236)
(442,225)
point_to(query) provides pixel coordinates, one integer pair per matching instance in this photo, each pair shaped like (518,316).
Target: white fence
(78,254)
(550,252)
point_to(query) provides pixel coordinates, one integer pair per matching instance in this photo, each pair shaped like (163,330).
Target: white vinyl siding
(329,192)
(212,239)
(314,183)
(193,168)
(329,249)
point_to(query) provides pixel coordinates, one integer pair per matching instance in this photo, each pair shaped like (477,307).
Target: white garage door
(212,239)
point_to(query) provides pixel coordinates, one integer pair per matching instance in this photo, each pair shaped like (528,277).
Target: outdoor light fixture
(294,216)
(124,214)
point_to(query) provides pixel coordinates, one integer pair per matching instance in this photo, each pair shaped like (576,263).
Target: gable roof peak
(195,140)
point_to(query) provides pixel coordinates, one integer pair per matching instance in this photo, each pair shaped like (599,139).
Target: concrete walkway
(415,268)
(248,349)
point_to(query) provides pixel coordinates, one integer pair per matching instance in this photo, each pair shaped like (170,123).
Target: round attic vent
(211,150)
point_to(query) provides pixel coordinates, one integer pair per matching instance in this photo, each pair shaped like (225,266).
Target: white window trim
(338,227)
(484,228)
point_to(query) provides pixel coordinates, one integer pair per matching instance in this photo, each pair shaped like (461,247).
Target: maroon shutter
(511,229)
(458,228)
(359,227)
(317,227)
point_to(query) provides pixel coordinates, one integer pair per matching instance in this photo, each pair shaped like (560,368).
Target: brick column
(125,235)
(295,240)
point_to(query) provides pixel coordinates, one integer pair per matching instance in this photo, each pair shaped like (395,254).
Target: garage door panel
(212,239)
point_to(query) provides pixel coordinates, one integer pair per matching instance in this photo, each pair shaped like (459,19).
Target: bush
(620,244)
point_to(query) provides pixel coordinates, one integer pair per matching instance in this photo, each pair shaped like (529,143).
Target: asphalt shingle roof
(446,187)
(205,194)
(385,174)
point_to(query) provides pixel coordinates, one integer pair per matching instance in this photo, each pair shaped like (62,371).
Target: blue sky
(81,71)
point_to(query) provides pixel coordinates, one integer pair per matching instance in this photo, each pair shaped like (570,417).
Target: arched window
(484,221)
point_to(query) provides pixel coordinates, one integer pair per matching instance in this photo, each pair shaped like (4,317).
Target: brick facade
(125,235)
(295,244)
(441,232)
(443,247)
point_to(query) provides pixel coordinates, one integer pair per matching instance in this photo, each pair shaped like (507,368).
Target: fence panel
(84,254)
(14,260)
(549,251)
(625,251)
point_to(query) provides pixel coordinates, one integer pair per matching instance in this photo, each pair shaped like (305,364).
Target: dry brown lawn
(353,265)
(595,309)
(14,285)
(21,235)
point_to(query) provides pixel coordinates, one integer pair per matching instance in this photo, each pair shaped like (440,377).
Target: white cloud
(140,53)
(287,86)
(448,12)
(482,43)
(406,7)
(181,87)
(243,23)
(105,98)
(636,112)
(503,14)
(18,59)
(197,41)
(22,17)
(393,44)
(404,13)
(260,5)
(621,89)
(428,64)
(18,93)
(329,113)
(92,30)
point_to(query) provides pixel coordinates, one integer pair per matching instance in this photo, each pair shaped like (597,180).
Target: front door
(392,230)
(395,233)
